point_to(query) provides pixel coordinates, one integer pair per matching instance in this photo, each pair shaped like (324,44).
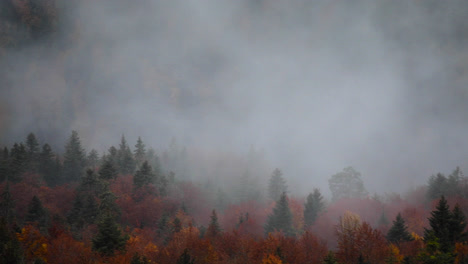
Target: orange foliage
(297,210)
(33,242)
(65,249)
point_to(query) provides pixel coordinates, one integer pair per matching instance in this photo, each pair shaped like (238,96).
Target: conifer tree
(125,157)
(47,166)
(185,258)
(277,185)
(281,218)
(36,212)
(213,228)
(4,164)
(74,159)
(32,149)
(107,170)
(140,152)
(18,162)
(457,225)
(313,206)
(143,176)
(10,247)
(109,237)
(399,232)
(7,205)
(92,159)
(440,222)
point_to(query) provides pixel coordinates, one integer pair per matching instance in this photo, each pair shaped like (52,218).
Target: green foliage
(92,159)
(36,212)
(447,186)
(4,164)
(74,159)
(434,253)
(347,184)
(48,167)
(313,206)
(213,229)
(32,149)
(107,170)
(277,185)
(330,258)
(18,162)
(7,205)
(399,231)
(185,258)
(139,152)
(281,218)
(109,237)
(126,163)
(10,248)
(137,259)
(143,176)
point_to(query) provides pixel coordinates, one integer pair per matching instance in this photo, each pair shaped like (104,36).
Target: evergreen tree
(92,159)
(457,225)
(330,258)
(440,221)
(109,237)
(313,206)
(281,218)
(347,184)
(143,176)
(7,205)
(74,159)
(107,170)
(108,205)
(140,152)
(137,259)
(125,157)
(399,232)
(10,247)
(4,164)
(277,185)
(47,166)
(75,217)
(185,258)
(32,149)
(36,212)
(213,228)
(18,162)
(383,221)
(90,210)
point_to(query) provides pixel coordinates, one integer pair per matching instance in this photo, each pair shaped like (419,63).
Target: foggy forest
(247,131)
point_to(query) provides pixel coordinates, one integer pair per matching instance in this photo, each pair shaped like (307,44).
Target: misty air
(249,131)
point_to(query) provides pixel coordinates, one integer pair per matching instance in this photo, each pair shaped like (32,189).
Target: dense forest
(219,131)
(127,205)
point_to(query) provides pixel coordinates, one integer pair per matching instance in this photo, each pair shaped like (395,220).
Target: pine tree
(36,212)
(213,228)
(143,176)
(92,159)
(399,232)
(140,152)
(457,225)
(10,247)
(4,164)
(74,159)
(440,221)
(330,258)
(313,206)
(125,158)
(18,162)
(109,237)
(7,205)
(107,170)
(32,149)
(185,258)
(281,218)
(47,166)
(277,185)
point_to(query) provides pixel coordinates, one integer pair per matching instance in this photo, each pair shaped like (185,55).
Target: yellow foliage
(395,253)
(271,259)
(416,236)
(34,243)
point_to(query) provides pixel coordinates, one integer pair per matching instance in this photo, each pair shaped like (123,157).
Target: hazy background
(317,85)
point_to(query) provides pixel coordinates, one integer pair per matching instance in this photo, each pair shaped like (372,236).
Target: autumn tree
(399,231)
(277,185)
(74,159)
(347,184)
(313,206)
(281,218)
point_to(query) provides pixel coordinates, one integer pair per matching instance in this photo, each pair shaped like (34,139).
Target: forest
(128,206)
(249,131)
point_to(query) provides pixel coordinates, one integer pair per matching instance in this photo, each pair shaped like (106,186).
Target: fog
(317,85)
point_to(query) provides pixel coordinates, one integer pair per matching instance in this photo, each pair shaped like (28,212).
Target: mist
(319,86)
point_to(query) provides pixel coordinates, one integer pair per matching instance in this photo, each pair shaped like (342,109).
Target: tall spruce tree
(143,176)
(92,160)
(74,159)
(107,170)
(18,162)
(399,231)
(36,212)
(109,237)
(4,164)
(32,149)
(140,152)
(313,206)
(277,185)
(47,166)
(281,218)
(213,229)
(125,157)
(10,247)
(7,205)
